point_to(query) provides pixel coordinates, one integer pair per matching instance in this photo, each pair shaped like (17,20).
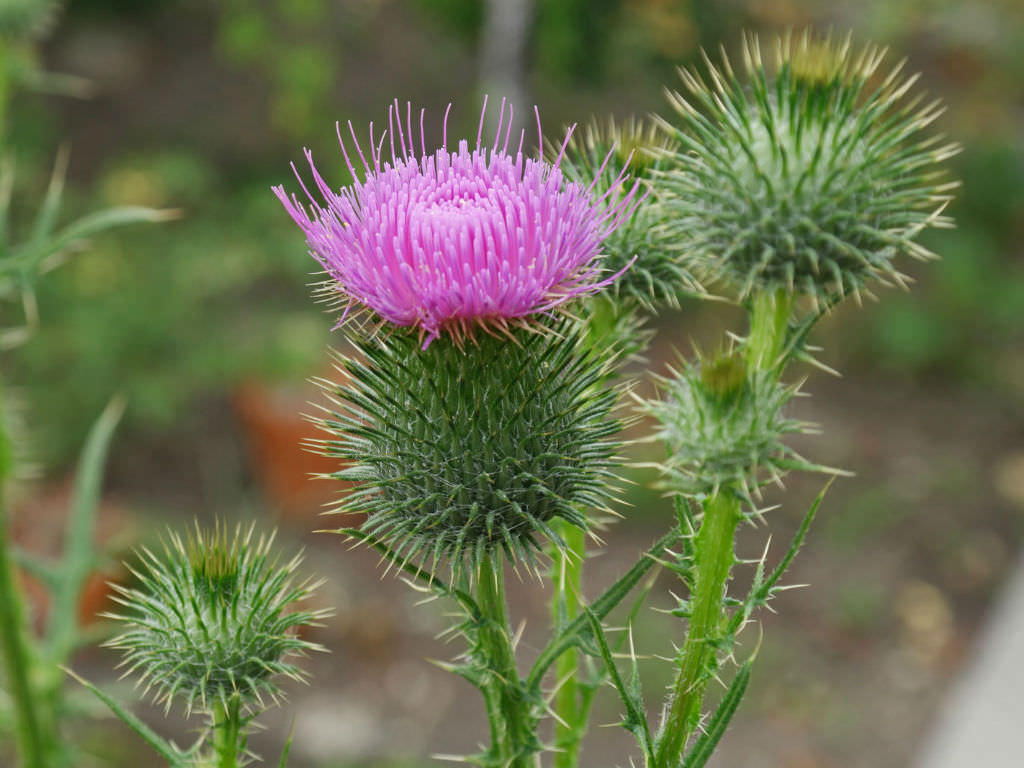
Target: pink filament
(457,237)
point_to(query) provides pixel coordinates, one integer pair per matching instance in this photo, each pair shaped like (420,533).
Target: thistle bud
(723,426)
(636,149)
(460,451)
(814,179)
(213,618)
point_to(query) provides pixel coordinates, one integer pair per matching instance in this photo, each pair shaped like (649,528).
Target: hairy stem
(227,732)
(570,720)
(770,313)
(769,321)
(696,661)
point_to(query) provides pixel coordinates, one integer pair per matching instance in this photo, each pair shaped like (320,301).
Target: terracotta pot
(287,469)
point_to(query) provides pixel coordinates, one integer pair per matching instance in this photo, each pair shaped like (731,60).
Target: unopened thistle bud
(460,451)
(601,156)
(815,178)
(214,618)
(723,426)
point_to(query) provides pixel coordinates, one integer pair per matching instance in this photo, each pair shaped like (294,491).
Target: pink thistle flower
(458,239)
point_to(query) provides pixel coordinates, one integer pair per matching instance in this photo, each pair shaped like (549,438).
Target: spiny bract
(214,618)
(723,426)
(814,180)
(602,155)
(460,452)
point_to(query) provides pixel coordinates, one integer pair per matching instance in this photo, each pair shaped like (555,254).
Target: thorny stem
(714,560)
(714,554)
(569,720)
(511,726)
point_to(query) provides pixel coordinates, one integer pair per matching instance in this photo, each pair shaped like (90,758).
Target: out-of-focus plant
(111,312)
(301,74)
(961,321)
(31,665)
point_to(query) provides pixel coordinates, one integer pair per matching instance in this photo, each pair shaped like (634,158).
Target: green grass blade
(34,253)
(79,542)
(44,570)
(287,747)
(46,219)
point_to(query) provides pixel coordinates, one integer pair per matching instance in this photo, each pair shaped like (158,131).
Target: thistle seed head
(214,617)
(461,451)
(816,177)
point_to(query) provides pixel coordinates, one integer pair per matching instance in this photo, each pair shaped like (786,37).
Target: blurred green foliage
(212,299)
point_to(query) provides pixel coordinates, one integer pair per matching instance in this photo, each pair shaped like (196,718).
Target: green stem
(769,323)
(227,732)
(570,718)
(5,91)
(16,660)
(697,659)
(511,725)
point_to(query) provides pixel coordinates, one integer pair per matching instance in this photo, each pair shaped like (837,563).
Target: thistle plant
(478,418)
(213,624)
(476,413)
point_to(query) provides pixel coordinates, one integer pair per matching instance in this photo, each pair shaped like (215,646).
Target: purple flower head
(454,239)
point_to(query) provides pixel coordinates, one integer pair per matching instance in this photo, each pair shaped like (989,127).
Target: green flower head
(814,177)
(723,425)
(462,451)
(213,618)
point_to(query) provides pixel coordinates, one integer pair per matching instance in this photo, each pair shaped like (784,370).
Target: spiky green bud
(214,617)
(602,155)
(723,425)
(461,451)
(814,178)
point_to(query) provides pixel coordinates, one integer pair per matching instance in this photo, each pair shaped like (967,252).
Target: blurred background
(207,326)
